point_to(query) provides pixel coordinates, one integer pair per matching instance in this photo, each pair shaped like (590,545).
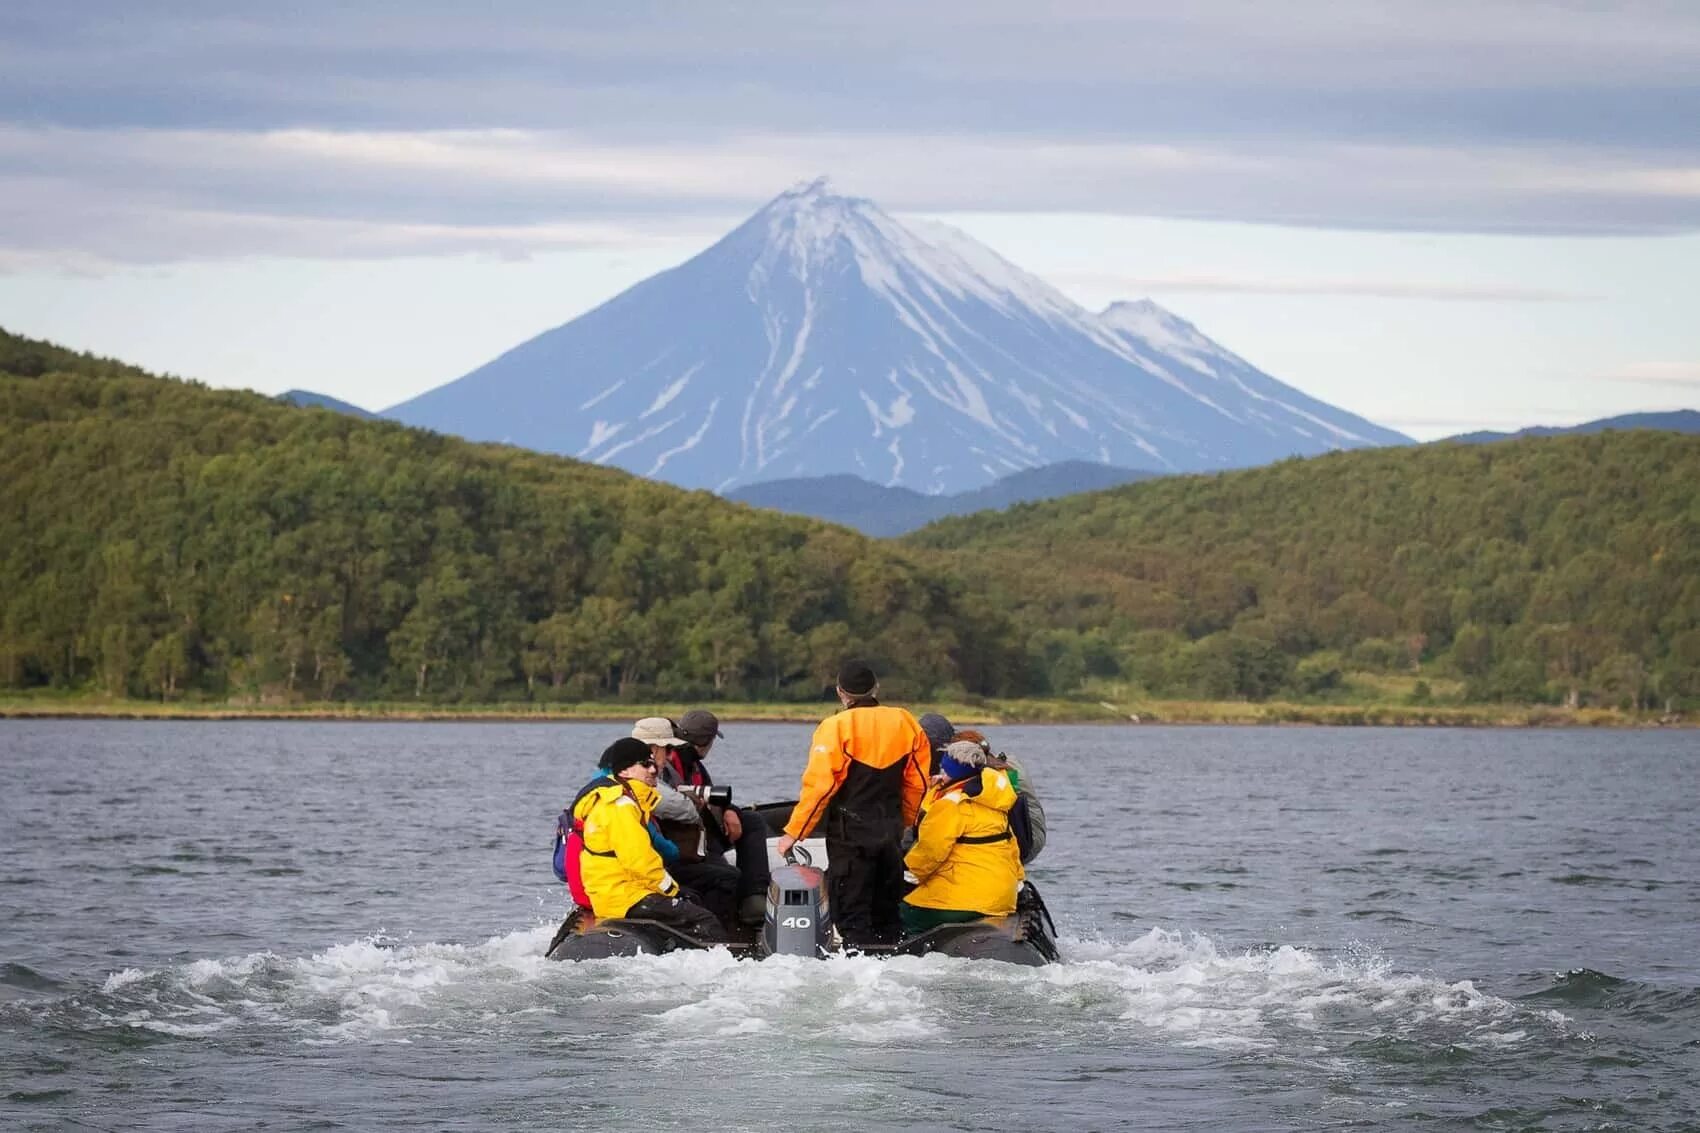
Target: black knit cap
(857,678)
(622,753)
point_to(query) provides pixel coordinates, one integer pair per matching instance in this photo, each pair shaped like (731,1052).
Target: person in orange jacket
(863,785)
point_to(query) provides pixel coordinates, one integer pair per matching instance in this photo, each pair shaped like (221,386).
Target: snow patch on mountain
(600,431)
(601,397)
(690,442)
(666,396)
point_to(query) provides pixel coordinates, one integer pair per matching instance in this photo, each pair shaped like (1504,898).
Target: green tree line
(1561,569)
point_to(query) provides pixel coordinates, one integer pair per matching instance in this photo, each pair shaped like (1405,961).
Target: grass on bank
(1021,711)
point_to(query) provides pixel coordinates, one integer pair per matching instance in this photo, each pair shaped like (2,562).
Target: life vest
(569,841)
(676,776)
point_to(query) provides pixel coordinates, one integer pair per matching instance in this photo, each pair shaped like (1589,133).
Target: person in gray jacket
(711,878)
(728,827)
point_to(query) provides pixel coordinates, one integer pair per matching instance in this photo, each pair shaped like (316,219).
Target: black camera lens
(720,796)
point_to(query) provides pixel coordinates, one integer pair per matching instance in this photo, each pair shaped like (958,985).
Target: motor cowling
(799,918)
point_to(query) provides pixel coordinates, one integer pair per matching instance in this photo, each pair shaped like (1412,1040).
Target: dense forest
(1561,569)
(161,539)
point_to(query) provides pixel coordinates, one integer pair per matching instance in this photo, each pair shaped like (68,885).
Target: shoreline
(1005,713)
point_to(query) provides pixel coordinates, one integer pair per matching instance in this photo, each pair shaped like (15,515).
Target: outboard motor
(799,919)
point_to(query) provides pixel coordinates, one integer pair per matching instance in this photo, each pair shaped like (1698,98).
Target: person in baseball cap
(728,827)
(701,727)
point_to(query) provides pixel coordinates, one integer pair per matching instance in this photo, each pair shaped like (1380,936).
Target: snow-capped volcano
(822,336)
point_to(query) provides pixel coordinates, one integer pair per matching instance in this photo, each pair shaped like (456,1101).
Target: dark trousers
(865,884)
(679,913)
(751,853)
(713,884)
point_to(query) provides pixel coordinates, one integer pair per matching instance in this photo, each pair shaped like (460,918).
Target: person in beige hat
(711,878)
(729,828)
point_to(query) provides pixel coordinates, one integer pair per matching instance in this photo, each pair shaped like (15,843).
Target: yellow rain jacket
(620,866)
(965,855)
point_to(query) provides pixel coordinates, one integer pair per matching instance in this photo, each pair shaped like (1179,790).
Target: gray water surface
(320,926)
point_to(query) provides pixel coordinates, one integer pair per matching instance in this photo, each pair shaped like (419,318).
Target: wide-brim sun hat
(656,730)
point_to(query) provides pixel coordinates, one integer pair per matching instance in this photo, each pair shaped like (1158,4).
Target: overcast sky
(1439,215)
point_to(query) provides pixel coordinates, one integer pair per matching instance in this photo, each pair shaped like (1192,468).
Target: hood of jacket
(610,788)
(993,787)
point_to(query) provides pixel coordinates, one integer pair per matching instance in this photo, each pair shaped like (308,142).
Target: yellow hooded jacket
(620,866)
(959,859)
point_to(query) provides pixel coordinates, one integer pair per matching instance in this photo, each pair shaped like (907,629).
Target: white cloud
(1682,374)
(142,196)
(1316,44)
(1374,288)
(1487,418)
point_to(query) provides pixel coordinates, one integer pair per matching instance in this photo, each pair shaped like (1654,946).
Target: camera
(708,796)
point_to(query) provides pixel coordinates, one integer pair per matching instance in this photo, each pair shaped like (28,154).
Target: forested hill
(31,357)
(159,538)
(1552,568)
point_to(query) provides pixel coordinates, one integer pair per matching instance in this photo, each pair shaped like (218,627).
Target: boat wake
(1169,987)
(1183,985)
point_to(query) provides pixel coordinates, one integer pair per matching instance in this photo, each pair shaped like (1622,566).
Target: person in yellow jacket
(965,858)
(622,872)
(866,774)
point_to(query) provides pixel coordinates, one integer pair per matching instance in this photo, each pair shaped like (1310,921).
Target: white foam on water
(1183,985)
(358,990)
(1175,987)
(123,979)
(709,995)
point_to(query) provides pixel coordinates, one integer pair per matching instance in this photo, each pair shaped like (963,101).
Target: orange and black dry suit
(863,785)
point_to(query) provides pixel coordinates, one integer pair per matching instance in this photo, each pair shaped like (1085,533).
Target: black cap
(622,753)
(857,678)
(699,725)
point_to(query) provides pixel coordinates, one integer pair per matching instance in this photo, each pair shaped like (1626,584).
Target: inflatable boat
(798,922)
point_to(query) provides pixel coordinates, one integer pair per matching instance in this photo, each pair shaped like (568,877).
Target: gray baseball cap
(699,725)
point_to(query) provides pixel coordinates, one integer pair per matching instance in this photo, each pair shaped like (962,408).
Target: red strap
(697,777)
(575,842)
